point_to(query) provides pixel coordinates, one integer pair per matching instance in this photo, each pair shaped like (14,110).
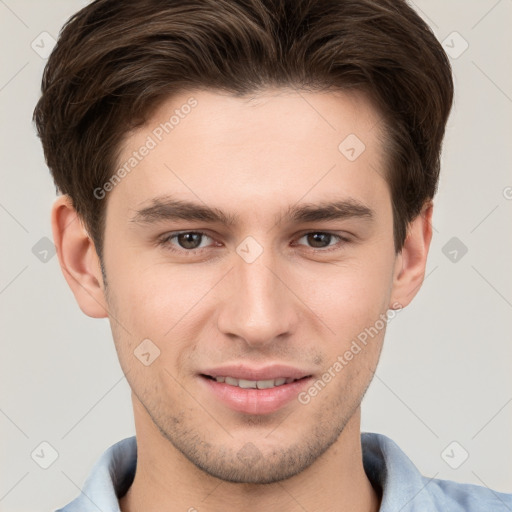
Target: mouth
(254,384)
(252,390)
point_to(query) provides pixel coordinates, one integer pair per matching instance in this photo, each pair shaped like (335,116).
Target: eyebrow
(167,208)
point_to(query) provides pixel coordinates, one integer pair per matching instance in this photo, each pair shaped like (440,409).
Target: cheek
(167,305)
(351,295)
(149,296)
(354,306)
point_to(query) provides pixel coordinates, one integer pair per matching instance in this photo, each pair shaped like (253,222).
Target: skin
(296,304)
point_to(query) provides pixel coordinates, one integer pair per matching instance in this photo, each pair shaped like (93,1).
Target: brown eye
(186,241)
(189,240)
(319,240)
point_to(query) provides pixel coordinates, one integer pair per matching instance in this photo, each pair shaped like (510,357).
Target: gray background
(445,371)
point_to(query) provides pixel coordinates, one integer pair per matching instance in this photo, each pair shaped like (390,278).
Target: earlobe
(411,262)
(78,258)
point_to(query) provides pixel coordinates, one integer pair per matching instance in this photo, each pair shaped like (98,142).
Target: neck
(166,480)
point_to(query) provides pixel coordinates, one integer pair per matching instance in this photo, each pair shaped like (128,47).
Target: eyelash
(165,242)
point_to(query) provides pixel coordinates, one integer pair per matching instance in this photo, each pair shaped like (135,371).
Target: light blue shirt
(404,489)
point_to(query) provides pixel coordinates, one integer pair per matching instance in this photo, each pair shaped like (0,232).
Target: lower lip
(255,401)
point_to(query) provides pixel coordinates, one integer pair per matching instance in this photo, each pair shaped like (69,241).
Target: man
(247,188)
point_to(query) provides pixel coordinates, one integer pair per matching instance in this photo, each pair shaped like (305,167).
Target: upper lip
(243,371)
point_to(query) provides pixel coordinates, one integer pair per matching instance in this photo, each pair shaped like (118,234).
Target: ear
(411,261)
(78,258)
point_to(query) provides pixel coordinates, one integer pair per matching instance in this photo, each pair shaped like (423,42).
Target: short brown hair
(115,62)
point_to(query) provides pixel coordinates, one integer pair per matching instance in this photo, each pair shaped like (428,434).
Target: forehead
(244,152)
(264,119)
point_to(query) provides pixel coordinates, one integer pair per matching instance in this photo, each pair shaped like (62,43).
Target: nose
(258,307)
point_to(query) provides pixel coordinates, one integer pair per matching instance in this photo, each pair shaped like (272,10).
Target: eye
(185,241)
(321,240)
(193,241)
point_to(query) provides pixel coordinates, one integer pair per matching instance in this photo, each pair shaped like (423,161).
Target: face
(246,255)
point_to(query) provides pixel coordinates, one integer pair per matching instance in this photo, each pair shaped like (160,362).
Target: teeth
(255,384)
(266,384)
(247,384)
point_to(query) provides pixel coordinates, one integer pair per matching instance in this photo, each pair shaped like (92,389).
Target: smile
(253,384)
(261,394)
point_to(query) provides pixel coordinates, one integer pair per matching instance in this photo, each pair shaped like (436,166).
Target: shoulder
(455,496)
(110,477)
(404,488)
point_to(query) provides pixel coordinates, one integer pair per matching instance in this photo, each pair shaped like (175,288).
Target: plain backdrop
(443,387)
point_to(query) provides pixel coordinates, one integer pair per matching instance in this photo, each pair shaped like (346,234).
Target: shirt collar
(389,470)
